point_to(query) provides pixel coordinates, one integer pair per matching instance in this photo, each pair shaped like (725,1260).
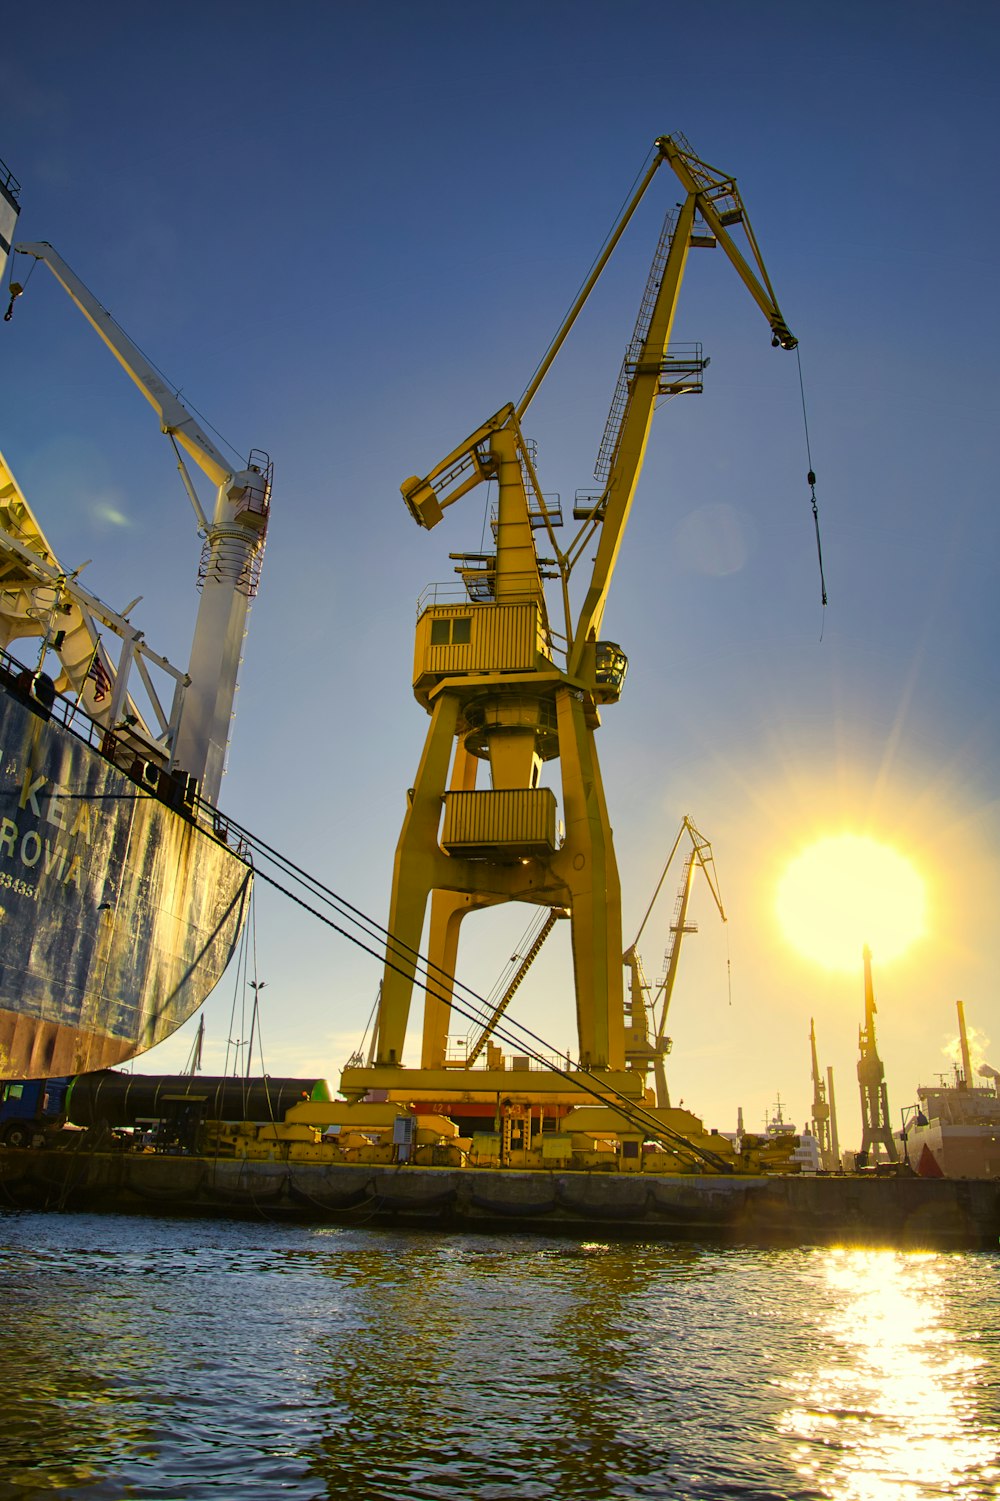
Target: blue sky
(348,233)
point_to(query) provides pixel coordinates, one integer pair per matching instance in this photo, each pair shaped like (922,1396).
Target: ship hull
(118,912)
(954,1149)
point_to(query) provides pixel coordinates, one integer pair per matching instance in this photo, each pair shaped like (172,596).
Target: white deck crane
(646,1040)
(506,686)
(232,554)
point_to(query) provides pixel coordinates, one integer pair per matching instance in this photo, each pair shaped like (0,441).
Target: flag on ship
(98,675)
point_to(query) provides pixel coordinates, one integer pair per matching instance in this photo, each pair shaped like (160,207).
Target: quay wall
(903,1211)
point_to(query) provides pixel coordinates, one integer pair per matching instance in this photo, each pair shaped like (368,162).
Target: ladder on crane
(527,960)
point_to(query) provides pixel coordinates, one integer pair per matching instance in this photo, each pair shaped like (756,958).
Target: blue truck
(31,1108)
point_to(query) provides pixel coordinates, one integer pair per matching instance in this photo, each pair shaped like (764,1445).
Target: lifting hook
(15,291)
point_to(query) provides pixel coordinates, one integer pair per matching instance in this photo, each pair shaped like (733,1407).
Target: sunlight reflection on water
(891,1408)
(172,1359)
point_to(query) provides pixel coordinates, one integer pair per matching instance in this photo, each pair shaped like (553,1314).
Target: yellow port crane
(505,686)
(646,1040)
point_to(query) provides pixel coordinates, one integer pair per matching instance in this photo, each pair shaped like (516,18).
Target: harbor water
(166,1358)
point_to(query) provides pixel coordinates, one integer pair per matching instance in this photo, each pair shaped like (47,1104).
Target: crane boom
(713,199)
(229,570)
(175,420)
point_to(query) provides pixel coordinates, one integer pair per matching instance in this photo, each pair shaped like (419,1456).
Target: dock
(902,1211)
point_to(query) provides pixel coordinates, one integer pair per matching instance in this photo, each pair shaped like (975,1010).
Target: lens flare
(845,891)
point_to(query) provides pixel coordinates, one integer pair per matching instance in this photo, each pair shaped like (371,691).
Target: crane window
(452,631)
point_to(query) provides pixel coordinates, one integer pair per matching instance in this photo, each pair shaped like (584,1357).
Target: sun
(846,891)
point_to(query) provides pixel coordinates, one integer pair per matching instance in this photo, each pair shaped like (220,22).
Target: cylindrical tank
(122,1099)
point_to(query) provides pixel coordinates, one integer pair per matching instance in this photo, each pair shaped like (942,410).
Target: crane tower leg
(414,877)
(587,865)
(662,1090)
(582,875)
(448,908)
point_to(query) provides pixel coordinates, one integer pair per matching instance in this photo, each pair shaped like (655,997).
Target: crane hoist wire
(401,955)
(18,288)
(615,224)
(442,986)
(617,228)
(811,479)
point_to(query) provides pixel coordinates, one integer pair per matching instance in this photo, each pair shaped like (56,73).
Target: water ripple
(159,1358)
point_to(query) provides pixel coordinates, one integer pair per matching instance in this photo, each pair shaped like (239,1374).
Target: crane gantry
(511,686)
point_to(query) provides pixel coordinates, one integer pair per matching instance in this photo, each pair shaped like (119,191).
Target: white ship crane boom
(175,420)
(230,565)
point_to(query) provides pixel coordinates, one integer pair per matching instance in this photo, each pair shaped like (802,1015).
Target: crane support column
(587,865)
(448,908)
(413,879)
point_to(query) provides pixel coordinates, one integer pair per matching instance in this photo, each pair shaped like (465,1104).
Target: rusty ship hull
(119,911)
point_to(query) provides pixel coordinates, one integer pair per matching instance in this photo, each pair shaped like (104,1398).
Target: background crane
(876,1127)
(823,1121)
(646,1040)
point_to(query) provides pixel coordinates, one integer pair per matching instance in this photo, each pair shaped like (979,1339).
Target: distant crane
(194,1057)
(834,1138)
(876,1129)
(822,1124)
(646,1042)
(963,1042)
